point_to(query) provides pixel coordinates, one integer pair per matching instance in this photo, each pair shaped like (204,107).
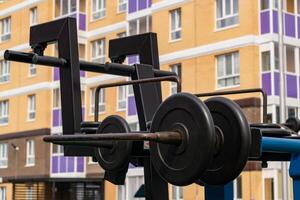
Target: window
(4,111)
(2,193)
(31,107)
(227,13)
(290,59)
(134,126)
(269,188)
(56,98)
(5,28)
(122,97)
(141,25)
(101,101)
(134,181)
(98,51)
(4,71)
(177,193)
(33,16)
(98,9)
(177,69)
(277,114)
(266,61)
(65,7)
(238,193)
(30,153)
(122,6)
(57,149)
(3,155)
(32,69)
(292,112)
(29,193)
(276,52)
(228,70)
(264,4)
(175,32)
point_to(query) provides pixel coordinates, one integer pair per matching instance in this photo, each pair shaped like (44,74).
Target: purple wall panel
(131,106)
(275,21)
(289,25)
(149,3)
(276,83)
(56,114)
(142,4)
(132,6)
(298,26)
(71,164)
(291,83)
(54,164)
(266,83)
(63,164)
(82,73)
(82,21)
(80,164)
(265,22)
(56,74)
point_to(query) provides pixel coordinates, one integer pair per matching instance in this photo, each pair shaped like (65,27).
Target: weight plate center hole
(181,146)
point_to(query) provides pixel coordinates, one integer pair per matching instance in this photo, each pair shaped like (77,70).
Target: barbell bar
(112,68)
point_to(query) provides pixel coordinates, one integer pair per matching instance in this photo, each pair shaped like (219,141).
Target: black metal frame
(64,32)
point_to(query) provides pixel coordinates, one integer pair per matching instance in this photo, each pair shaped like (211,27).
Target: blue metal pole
(271,144)
(222,192)
(295,174)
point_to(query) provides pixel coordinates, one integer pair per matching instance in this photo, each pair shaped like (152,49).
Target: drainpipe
(282,97)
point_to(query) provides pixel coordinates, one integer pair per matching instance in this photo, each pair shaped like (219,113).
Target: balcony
(57,118)
(63,165)
(269,23)
(137,5)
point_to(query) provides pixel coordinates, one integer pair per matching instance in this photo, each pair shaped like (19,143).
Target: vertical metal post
(224,192)
(295,174)
(282,99)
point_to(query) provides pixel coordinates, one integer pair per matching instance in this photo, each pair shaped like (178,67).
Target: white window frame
(137,23)
(98,10)
(121,99)
(33,16)
(178,24)
(4,112)
(99,50)
(101,101)
(233,67)
(3,155)
(60,150)
(30,153)
(3,193)
(225,16)
(122,6)
(5,29)
(31,109)
(32,70)
(4,71)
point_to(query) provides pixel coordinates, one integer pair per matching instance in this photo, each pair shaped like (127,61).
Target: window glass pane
(219,8)
(264,4)
(269,188)
(290,59)
(235,6)
(228,61)
(266,61)
(133,27)
(143,25)
(228,7)
(65,7)
(239,187)
(276,52)
(73,5)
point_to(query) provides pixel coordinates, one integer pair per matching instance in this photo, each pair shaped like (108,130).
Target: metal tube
(103,144)
(132,82)
(272,144)
(254,90)
(160,137)
(110,68)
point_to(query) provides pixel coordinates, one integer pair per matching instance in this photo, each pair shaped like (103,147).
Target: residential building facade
(213,45)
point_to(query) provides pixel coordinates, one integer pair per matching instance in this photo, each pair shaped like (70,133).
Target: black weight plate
(183,164)
(231,159)
(293,123)
(118,156)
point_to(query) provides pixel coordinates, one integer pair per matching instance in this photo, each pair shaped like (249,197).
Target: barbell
(190,141)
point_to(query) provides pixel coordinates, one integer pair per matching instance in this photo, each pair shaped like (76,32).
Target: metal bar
(272,144)
(254,90)
(222,192)
(104,144)
(132,82)
(111,68)
(160,137)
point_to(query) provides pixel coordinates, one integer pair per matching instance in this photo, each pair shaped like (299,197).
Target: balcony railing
(269,23)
